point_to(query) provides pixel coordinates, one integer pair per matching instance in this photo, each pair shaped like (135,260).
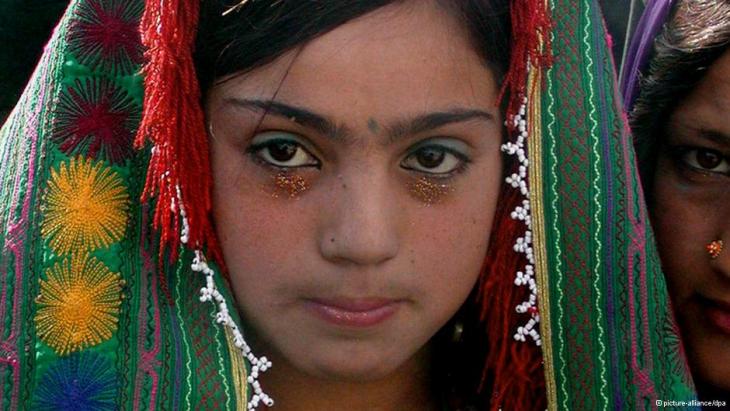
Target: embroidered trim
(258,365)
(96,118)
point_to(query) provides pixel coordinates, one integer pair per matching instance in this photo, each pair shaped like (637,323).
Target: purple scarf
(642,44)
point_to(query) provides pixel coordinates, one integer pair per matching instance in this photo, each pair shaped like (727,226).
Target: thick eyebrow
(329,128)
(298,115)
(431,121)
(715,136)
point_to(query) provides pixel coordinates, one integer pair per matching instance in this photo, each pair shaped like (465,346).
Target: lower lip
(720,318)
(355,319)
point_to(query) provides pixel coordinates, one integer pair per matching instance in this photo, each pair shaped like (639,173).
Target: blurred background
(26,25)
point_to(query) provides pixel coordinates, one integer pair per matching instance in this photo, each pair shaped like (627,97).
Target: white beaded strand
(258,365)
(222,317)
(524,244)
(185,234)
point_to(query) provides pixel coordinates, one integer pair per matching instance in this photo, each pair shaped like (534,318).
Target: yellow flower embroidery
(78,304)
(85,207)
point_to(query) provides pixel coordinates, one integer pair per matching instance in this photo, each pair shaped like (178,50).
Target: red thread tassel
(531,25)
(513,370)
(173,122)
(513,373)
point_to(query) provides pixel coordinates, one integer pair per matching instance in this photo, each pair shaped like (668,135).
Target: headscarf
(642,43)
(108,302)
(603,300)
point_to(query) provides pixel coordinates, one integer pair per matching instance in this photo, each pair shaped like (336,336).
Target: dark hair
(695,36)
(258,32)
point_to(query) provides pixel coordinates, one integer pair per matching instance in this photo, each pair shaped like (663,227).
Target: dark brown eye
(282,150)
(708,159)
(436,159)
(430,157)
(704,160)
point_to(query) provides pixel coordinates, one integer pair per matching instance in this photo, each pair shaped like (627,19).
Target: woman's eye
(283,153)
(434,160)
(706,160)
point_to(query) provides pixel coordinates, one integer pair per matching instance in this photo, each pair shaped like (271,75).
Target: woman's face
(356,180)
(692,209)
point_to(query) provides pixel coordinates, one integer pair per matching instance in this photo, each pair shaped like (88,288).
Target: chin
(715,384)
(709,365)
(351,370)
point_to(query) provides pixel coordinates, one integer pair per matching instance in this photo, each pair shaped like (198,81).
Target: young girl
(344,179)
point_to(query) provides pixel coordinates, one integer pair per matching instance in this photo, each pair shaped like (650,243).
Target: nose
(360,222)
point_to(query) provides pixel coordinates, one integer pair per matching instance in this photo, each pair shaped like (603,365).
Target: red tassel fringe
(531,25)
(173,122)
(514,370)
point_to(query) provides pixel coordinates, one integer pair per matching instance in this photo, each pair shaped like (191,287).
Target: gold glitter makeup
(428,191)
(289,185)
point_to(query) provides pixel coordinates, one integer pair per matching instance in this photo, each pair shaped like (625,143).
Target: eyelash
(680,153)
(256,151)
(462,166)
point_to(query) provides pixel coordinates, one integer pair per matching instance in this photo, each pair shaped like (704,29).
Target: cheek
(449,242)
(448,267)
(682,227)
(455,235)
(257,220)
(429,192)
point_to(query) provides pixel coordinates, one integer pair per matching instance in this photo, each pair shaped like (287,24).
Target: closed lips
(356,312)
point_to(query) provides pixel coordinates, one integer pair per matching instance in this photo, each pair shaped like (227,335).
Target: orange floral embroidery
(85,207)
(78,304)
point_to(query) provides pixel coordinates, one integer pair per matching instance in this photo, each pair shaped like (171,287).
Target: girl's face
(356,179)
(692,209)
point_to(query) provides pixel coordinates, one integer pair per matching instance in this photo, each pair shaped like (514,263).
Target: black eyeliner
(678,152)
(464,159)
(254,148)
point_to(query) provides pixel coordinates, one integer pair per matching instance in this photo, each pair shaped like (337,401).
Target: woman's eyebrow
(296,114)
(715,136)
(395,132)
(431,121)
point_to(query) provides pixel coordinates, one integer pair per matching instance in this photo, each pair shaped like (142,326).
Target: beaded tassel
(513,368)
(523,244)
(210,293)
(531,49)
(258,365)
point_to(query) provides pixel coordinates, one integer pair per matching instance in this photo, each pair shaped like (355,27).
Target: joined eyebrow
(329,128)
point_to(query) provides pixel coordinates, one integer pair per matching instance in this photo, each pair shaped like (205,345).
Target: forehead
(712,94)
(408,56)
